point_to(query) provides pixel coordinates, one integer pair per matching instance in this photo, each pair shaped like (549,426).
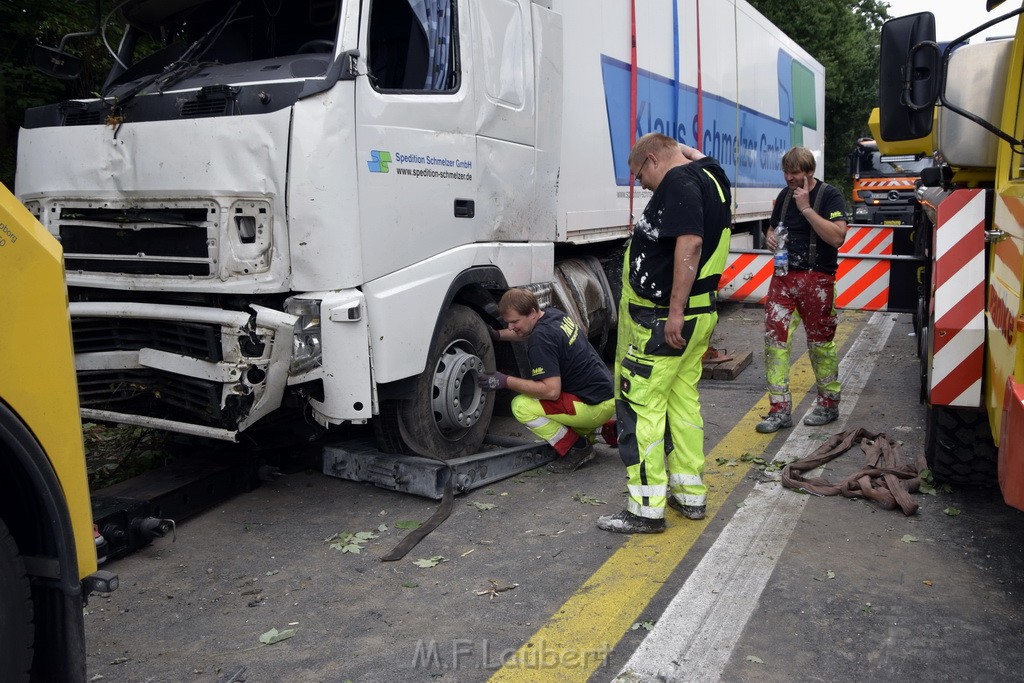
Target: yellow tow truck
(47,548)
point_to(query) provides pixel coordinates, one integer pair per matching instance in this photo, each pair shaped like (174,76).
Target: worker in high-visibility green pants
(667,314)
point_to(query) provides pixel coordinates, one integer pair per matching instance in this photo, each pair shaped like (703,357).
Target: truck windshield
(877,164)
(179,38)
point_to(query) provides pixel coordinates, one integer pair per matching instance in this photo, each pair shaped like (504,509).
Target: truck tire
(16,612)
(959,447)
(447,415)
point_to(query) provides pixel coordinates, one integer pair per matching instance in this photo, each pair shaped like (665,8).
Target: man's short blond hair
(656,143)
(521,301)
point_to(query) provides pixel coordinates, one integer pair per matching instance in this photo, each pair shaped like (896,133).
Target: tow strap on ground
(420,532)
(887,477)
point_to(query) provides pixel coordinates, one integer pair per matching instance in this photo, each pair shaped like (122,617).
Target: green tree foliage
(23,24)
(844,37)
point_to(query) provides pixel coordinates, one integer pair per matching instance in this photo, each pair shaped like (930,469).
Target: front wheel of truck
(446,415)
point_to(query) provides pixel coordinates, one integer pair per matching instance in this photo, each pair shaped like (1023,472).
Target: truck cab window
(412,45)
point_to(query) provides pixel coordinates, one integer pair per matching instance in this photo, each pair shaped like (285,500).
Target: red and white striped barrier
(958,301)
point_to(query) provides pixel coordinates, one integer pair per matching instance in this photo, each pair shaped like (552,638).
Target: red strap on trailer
(632,103)
(699,133)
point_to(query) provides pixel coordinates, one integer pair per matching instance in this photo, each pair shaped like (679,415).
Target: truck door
(416,148)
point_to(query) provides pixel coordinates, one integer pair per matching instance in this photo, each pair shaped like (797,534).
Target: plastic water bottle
(781,256)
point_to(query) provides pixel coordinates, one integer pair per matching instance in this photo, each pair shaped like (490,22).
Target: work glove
(492,381)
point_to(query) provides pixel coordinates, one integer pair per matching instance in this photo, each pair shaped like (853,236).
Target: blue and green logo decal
(379,161)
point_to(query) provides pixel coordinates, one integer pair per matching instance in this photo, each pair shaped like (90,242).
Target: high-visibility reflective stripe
(645,511)
(958,330)
(685,479)
(686,499)
(537,422)
(648,491)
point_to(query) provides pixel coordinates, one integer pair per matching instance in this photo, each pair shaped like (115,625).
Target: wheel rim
(456,400)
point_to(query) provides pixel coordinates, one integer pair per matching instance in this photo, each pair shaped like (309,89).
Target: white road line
(694,638)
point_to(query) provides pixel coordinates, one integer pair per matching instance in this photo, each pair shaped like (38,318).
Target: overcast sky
(953,18)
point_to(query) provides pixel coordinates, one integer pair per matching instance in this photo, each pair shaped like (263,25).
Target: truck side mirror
(54,62)
(910,77)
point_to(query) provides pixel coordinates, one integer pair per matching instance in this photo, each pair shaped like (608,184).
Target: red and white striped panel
(863,283)
(889,183)
(746,278)
(958,301)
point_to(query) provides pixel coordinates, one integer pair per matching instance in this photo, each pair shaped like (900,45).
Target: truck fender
(32,469)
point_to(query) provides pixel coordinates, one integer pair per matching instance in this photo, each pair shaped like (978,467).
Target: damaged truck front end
(171,201)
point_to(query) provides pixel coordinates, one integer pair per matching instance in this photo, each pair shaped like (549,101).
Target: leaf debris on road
(274,636)
(495,589)
(429,562)
(588,500)
(350,543)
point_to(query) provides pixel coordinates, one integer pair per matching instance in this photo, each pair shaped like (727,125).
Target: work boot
(773,422)
(609,433)
(626,522)
(576,457)
(688,511)
(821,416)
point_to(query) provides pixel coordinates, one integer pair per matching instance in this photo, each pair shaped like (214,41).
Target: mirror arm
(92,32)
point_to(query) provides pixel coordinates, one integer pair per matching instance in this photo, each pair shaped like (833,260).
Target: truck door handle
(465,208)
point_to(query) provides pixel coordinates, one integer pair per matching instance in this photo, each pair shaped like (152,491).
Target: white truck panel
(323,206)
(402,306)
(210,160)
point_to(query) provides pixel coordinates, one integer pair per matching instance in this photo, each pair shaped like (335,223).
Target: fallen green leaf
(410,584)
(382,528)
(755,659)
(407,524)
(481,506)
(952,512)
(646,625)
(274,636)
(588,500)
(430,562)
(829,575)
(927,488)
(907,538)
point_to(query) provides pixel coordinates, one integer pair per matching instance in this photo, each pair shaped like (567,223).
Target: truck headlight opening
(307,352)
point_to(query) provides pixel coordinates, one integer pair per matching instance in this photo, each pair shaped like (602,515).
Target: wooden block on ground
(729,369)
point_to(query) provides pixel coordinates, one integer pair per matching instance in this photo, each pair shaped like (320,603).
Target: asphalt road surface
(518,584)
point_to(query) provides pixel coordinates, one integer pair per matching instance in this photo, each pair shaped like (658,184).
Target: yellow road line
(578,637)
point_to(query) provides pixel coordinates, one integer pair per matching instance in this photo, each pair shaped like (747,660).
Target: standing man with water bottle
(811,217)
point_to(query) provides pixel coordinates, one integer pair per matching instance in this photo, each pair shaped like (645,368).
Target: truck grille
(94,335)
(165,240)
(146,392)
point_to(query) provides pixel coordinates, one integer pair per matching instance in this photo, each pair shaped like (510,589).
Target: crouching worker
(570,394)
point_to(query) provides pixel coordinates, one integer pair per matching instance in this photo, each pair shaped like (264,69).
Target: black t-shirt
(831,207)
(558,348)
(687,202)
